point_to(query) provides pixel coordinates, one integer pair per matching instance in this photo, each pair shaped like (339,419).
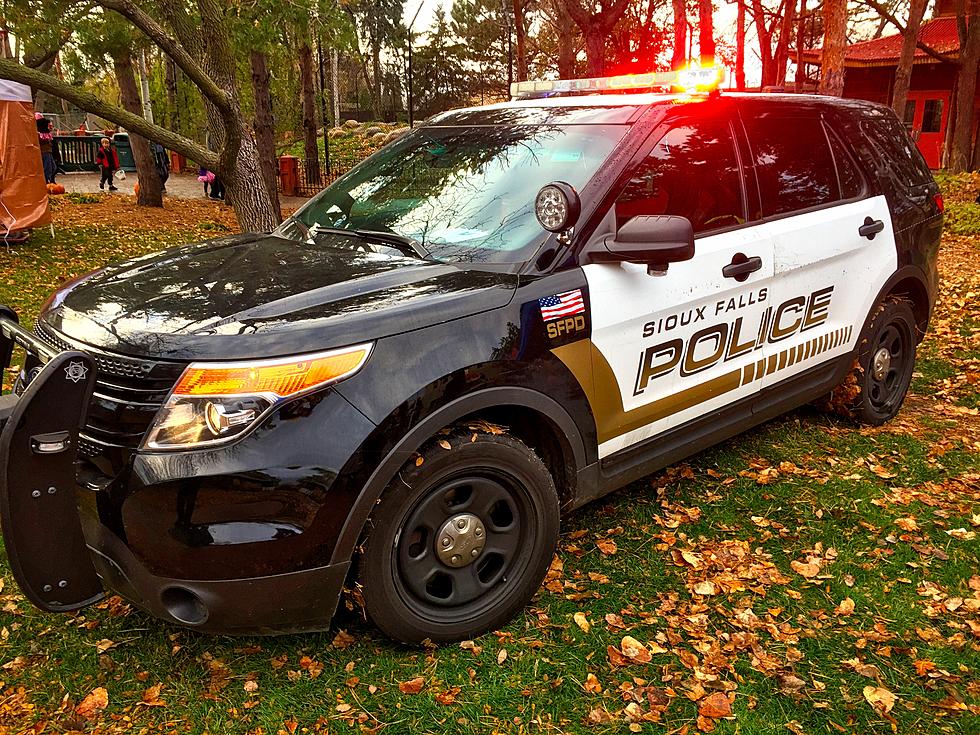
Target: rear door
(833,244)
(670,347)
(926,116)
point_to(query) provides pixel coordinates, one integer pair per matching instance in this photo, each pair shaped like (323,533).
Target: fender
(906,273)
(386,470)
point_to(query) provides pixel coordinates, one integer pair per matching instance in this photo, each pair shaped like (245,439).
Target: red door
(926,115)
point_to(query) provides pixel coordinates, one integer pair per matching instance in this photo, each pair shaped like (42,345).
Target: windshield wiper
(402,243)
(408,245)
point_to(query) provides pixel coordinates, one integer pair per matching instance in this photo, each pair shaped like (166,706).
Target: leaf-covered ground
(807,577)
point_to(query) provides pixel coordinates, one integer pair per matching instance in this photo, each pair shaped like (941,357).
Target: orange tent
(23,196)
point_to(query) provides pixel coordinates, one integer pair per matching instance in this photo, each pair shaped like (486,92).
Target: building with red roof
(870,74)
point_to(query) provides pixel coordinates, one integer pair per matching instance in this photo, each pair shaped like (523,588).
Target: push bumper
(293,602)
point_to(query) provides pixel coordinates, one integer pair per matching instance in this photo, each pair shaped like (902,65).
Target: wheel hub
(881,363)
(460,541)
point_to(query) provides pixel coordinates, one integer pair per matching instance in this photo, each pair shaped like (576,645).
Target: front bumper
(238,540)
(292,602)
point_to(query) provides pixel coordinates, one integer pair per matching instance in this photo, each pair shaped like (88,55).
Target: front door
(926,116)
(670,347)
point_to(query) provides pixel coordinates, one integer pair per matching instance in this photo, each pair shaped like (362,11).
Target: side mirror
(655,240)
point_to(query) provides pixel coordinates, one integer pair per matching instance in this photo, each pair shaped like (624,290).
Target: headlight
(213,403)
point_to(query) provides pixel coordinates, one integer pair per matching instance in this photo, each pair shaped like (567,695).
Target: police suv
(510,311)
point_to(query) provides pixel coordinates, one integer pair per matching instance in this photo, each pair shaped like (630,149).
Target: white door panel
(675,344)
(829,275)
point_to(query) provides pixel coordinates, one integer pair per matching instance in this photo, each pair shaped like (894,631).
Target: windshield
(464,194)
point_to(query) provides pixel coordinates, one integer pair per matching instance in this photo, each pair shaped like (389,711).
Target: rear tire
(460,540)
(874,390)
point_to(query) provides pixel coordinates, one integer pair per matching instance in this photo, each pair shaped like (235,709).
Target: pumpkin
(56,189)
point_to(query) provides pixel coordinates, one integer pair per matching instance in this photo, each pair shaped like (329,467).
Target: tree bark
(520,36)
(596,27)
(966,90)
(264,125)
(150,187)
(740,46)
(566,42)
(800,43)
(706,33)
(781,57)
(834,47)
(679,56)
(595,50)
(903,72)
(310,149)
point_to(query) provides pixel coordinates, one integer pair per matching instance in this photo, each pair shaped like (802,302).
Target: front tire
(461,539)
(874,390)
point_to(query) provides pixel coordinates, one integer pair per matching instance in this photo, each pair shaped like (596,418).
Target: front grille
(128,392)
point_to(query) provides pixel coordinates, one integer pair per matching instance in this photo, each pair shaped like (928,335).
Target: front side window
(793,163)
(464,193)
(693,172)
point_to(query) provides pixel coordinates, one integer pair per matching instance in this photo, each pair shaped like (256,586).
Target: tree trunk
(966,90)
(247,191)
(376,88)
(151,189)
(565,27)
(764,34)
(595,49)
(903,72)
(834,47)
(706,33)
(800,66)
(310,148)
(679,56)
(264,125)
(781,56)
(740,46)
(520,33)
(170,81)
(144,86)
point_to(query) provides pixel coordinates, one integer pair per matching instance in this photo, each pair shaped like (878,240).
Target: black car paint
(292,496)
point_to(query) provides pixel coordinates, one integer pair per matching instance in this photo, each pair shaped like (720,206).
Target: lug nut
(475,552)
(52,490)
(460,524)
(478,532)
(47,588)
(36,494)
(63,583)
(455,559)
(447,541)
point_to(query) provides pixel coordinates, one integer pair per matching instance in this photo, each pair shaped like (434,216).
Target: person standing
(108,161)
(161,161)
(47,143)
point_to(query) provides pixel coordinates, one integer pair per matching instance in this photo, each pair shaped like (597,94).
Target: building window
(932,116)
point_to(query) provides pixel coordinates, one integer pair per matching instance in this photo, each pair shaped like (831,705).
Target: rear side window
(693,171)
(896,151)
(793,163)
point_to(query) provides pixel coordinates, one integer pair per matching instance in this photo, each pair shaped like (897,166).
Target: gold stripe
(596,377)
(604,396)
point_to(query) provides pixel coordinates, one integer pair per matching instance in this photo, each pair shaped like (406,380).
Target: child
(108,161)
(49,151)
(206,178)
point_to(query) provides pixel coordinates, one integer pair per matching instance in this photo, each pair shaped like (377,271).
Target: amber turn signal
(282,377)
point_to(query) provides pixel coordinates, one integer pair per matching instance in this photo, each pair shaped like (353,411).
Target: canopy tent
(23,196)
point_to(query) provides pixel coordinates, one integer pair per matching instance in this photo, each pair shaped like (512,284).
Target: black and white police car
(509,312)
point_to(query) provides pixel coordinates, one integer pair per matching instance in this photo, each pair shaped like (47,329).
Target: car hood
(262,296)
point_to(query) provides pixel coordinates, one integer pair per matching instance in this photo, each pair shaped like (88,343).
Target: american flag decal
(563,304)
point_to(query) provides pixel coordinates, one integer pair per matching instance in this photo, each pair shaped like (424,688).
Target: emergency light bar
(692,80)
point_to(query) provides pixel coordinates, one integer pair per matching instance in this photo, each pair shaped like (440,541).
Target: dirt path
(183,186)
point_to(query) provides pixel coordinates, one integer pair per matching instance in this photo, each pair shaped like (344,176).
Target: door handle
(741,266)
(870,228)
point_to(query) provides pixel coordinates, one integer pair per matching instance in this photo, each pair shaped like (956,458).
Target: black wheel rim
(890,367)
(427,583)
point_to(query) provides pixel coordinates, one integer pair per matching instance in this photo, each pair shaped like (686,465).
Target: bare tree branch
(159,35)
(89,102)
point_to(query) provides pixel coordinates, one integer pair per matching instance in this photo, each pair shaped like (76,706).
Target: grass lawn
(809,576)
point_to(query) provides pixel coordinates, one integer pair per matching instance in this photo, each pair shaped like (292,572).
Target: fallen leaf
(846,607)
(880,698)
(501,656)
(412,686)
(448,696)
(705,588)
(96,701)
(716,706)
(606,546)
(592,684)
(582,622)
(343,639)
(151,696)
